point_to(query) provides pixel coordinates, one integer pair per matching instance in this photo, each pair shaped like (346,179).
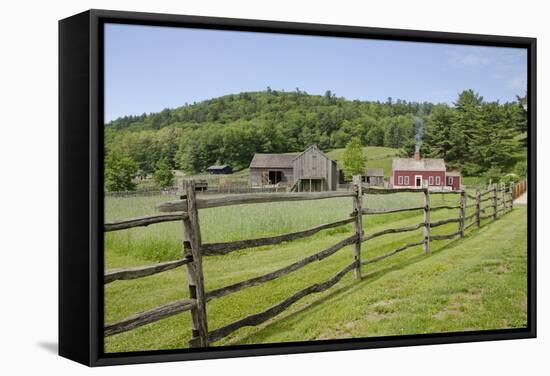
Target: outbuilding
(310,170)
(420,172)
(374,177)
(220,170)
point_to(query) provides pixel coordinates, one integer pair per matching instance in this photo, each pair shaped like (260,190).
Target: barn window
(314,162)
(437,180)
(275,177)
(431,180)
(406,180)
(400,179)
(449,180)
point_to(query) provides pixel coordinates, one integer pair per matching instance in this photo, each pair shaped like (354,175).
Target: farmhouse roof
(375,172)
(279,160)
(424,164)
(218,167)
(453,173)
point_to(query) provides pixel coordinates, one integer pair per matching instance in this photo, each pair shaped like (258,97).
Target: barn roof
(375,172)
(218,167)
(453,173)
(316,148)
(424,164)
(279,160)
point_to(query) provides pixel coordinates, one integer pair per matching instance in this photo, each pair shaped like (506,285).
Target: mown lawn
(475,283)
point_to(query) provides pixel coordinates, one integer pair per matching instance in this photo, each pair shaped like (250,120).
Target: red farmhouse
(419,172)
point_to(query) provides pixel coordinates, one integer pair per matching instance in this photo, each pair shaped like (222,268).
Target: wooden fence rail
(210,249)
(150,316)
(283,271)
(141,271)
(143,221)
(186,211)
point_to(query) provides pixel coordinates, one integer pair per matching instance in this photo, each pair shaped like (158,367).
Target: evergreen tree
(467,120)
(491,143)
(436,142)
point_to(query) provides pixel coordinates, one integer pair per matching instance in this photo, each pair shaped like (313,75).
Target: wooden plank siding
(314,166)
(311,170)
(287,175)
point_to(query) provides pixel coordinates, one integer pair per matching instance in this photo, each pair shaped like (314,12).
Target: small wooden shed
(374,177)
(220,170)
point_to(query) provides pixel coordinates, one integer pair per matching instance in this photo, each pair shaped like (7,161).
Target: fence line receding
(186,211)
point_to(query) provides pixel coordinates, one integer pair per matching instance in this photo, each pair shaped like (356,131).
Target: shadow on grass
(366,279)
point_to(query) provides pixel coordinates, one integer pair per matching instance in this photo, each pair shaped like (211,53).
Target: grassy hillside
(470,284)
(378,157)
(488,141)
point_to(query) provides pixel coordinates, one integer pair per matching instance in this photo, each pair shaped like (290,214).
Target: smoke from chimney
(419,125)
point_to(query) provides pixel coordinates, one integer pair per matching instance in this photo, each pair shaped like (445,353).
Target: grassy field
(475,283)
(162,242)
(378,157)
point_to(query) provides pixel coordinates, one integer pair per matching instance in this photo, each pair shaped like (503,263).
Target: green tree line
(230,129)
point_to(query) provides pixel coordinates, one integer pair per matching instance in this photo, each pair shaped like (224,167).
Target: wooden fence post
(357,207)
(511,206)
(426,220)
(478,208)
(503,195)
(494,201)
(195,278)
(462,212)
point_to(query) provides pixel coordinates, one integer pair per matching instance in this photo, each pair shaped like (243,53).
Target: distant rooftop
(424,164)
(218,167)
(375,172)
(279,160)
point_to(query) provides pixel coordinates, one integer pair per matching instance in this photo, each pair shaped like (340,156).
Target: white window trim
(421,180)
(431,180)
(400,180)
(449,180)
(406,180)
(438,180)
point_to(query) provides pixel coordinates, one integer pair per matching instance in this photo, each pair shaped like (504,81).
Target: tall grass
(162,242)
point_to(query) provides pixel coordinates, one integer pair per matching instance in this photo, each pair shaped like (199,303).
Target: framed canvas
(235,187)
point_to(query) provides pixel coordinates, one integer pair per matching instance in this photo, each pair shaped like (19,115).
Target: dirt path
(521,199)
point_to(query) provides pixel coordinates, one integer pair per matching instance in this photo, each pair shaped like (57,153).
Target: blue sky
(150,68)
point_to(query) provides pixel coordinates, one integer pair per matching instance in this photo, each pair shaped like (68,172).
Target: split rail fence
(488,204)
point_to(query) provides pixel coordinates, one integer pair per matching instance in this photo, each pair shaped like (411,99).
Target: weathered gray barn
(310,170)
(374,177)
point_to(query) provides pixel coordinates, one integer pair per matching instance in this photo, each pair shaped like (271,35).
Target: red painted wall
(425,177)
(456,183)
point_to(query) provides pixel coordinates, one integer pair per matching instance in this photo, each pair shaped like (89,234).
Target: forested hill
(230,129)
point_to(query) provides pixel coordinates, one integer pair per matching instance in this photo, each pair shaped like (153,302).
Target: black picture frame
(81,182)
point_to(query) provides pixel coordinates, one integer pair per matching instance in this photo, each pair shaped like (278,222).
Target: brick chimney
(417,156)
